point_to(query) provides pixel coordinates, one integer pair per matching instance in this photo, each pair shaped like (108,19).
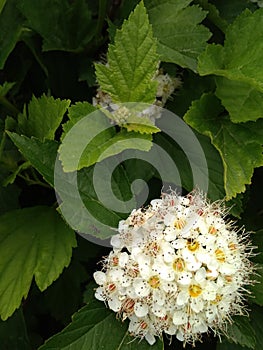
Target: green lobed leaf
(43,117)
(63,25)
(213,14)
(76,112)
(35,242)
(241,332)
(257,320)
(239,64)
(181,38)
(93,328)
(41,154)
(243,101)
(93,139)
(11,24)
(4,88)
(236,143)
(132,61)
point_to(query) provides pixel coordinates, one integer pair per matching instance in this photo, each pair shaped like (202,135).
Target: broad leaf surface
(235,143)
(242,100)
(63,26)
(93,139)
(240,62)
(11,24)
(93,327)
(241,332)
(43,117)
(41,154)
(181,37)
(35,242)
(132,61)
(4,88)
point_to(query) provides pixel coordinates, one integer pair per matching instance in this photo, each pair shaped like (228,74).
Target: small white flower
(176,267)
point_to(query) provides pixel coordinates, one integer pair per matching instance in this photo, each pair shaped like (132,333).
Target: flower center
(128,305)
(179,265)
(194,290)
(232,246)
(192,245)
(220,255)
(143,325)
(179,224)
(217,299)
(212,230)
(111,287)
(134,271)
(115,261)
(154,281)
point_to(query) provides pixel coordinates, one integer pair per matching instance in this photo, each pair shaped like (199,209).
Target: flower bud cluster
(165,88)
(176,267)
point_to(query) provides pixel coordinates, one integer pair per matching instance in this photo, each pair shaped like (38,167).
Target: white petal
(179,243)
(169,219)
(150,338)
(182,298)
(116,242)
(180,335)
(99,277)
(141,287)
(140,309)
(114,304)
(197,305)
(200,275)
(179,317)
(99,294)
(123,259)
(185,278)
(158,310)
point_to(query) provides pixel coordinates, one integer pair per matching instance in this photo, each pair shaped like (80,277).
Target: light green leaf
(241,332)
(41,154)
(236,143)
(141,125)
(11,23)
(4,88)
(63,25)
(132,61)
(90,214)
(35,242)
(43,118)
(241,56)
(176,26)
(93,139)
(92,328)
(76,112)
(239,63)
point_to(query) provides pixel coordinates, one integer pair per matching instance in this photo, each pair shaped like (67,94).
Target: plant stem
(34,182)
(4,101)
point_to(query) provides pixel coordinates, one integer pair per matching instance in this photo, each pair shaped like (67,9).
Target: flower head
(177,267)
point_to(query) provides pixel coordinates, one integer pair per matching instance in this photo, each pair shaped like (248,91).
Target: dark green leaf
(63,25)
(176,26)
(35,242)
(43,118)
(235,143)
(93,328)
(257,321)
(13,333)
(241,332)
(11,23)
(42,155)
(61,300)
(4,88)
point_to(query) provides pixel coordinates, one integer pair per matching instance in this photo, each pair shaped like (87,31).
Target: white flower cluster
(176,267)
(165,88)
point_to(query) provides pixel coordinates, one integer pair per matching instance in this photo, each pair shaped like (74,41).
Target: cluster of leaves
(48,79)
